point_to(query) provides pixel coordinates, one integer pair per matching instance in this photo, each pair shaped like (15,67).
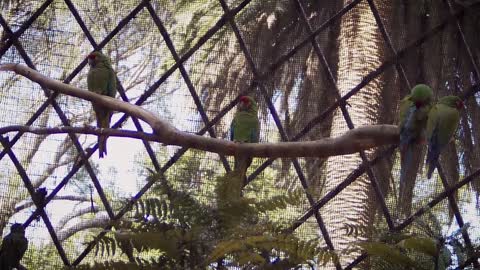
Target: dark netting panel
(316,68)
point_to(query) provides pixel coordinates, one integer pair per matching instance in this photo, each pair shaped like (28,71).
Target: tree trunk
(360,52)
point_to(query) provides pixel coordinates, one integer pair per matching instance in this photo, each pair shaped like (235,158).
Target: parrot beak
(460,105)
(244,100)
(90,59)
(419,104)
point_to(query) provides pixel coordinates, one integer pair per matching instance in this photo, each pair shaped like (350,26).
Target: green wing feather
(101,80)
(442,123)
(245,128)
(413,118)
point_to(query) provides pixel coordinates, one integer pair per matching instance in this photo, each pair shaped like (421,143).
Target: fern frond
(106,246)
(326,256)
(233,210)
(356,230)
(120,265)
(281,201)
(188,234)
(388,254)
(246,257)
(169,241)
(155,208)
(423,245)
(176,208)
(294,250)
(229,187)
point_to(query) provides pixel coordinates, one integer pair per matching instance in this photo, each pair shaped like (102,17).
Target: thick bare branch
(352,141)
(29,203)
(75,214)
(159,126)
(82,130)
(100,221)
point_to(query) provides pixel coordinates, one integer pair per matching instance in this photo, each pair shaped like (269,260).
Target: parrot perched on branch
(442,123)
(101,80)
(245,128)
(413,119)
(39,198)
(13,247)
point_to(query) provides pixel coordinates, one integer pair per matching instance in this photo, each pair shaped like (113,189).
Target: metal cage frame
(13,40)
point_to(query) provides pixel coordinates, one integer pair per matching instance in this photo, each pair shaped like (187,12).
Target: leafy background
(294,92)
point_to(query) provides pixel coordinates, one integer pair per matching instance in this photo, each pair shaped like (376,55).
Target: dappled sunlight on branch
(352,141)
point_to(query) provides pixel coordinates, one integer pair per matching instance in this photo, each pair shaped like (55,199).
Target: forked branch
(352,141)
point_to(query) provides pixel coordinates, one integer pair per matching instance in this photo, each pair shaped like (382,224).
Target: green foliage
(106,246)
(43,257)
(357,230)
(414,252)
(119,265)
(281,201)
(390,255)
(421,246)
(296,252)
(173,230)
(425,245)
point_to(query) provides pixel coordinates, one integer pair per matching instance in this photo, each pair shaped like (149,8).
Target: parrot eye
(419,104)
(245,100)
(91,56)
(459,104)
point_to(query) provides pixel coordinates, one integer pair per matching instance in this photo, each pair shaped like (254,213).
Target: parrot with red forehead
(245,128)
(442,124)
(101,80)
(414,110)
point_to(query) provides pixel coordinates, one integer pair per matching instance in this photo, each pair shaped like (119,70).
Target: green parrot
(13,247)
(413,119)
(101,80)
(442,123)
(245,128)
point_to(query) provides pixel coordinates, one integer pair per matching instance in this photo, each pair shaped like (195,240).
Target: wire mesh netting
(316,69)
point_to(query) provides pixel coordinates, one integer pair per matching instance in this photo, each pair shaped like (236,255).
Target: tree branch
(29,203)
(76,214)
(159,126)
(352,141)
(98,222)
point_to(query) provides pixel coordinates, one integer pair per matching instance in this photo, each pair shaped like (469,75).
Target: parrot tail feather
(431,167)
(102,146)
(410,161)
(433,154)
(406,164)
(406,133)
(241,164)
(432,159)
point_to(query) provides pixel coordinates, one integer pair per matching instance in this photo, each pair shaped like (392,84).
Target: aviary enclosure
(323,191)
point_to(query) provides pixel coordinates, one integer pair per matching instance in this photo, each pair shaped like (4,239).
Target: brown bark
(359,52)
(350,142)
